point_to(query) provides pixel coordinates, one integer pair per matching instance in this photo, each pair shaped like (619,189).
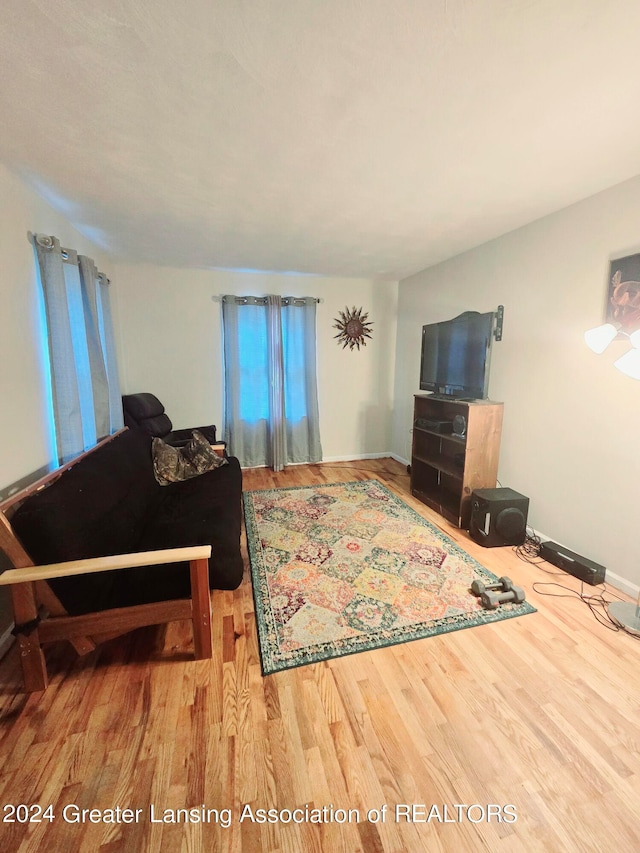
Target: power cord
(529,551)
(597,604)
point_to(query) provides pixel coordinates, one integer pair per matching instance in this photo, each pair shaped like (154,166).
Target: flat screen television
(456,356)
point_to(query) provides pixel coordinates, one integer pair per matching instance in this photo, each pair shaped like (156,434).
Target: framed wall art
(623,294)
(353,328)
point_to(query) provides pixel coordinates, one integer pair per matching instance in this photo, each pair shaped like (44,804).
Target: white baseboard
(611,578)
(353,457)
(399,459)
(622,584)
(350,457)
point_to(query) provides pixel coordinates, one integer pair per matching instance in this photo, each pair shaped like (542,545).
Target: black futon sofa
(110,503)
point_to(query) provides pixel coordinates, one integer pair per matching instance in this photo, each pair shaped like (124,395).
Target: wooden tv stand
(445,467)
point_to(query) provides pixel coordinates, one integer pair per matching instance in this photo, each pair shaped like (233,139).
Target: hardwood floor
(516,736)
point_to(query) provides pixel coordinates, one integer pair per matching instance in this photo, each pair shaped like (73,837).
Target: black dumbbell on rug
(504,584)
(491,599)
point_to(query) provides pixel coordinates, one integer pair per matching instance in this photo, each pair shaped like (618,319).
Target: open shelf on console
(446,468)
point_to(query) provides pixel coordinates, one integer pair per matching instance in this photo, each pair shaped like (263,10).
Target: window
(271,397)
(86,403)
(253,365)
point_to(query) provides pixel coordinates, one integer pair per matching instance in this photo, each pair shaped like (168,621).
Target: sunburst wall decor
(353,328)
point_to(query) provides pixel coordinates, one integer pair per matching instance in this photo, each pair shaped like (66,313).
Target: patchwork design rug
(349,567)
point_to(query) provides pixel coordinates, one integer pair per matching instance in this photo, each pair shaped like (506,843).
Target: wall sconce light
(629,363)
(598,340)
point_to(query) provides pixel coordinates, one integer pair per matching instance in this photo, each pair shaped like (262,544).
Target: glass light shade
(598,339)
(629,363)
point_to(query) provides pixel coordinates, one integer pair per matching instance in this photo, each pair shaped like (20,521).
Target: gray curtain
(84,381)
(271,393)
(97,366)
(116,415)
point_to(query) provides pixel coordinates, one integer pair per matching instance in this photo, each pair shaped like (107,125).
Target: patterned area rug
(348,567)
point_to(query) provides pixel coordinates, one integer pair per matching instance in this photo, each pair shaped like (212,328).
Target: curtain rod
(260,299)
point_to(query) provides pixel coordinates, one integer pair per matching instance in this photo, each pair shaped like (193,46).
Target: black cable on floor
(529,551)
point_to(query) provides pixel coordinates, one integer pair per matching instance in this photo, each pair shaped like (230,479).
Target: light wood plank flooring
(538,713)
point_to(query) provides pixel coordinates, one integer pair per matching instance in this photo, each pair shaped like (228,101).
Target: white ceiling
(343,137)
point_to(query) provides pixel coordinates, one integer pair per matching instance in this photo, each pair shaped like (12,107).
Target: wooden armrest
(105,564)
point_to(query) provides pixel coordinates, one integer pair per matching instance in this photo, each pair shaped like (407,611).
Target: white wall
(171,344)
(571,420)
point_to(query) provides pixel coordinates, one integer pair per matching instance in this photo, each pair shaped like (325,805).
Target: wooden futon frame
(40,617)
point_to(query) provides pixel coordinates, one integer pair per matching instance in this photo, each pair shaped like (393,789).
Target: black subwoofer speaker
(498,517)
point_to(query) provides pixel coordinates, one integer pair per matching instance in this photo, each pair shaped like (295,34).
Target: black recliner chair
(145,411)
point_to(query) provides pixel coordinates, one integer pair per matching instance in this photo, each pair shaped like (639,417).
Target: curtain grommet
(45,241)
